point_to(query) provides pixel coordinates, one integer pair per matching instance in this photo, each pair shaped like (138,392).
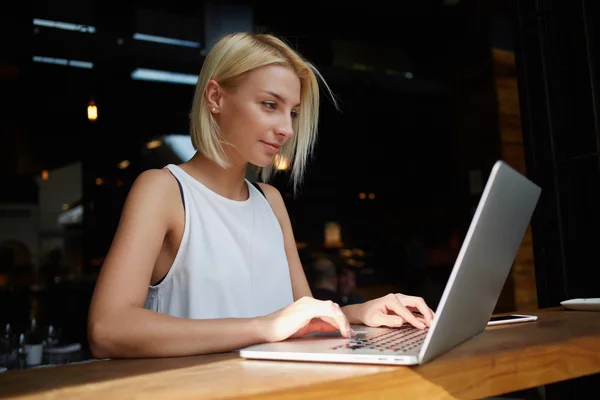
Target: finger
(389,320)
(419,304)
(396,306)
(432,314)
(415,306)
(333,311)
(422,319)
(331,321)
(323,325)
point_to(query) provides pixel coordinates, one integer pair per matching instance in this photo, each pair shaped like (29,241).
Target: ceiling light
(144,74)
(165,40)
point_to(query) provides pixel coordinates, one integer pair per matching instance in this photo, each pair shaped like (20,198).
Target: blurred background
(432,93)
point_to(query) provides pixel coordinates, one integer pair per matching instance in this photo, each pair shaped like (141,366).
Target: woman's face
(256,117)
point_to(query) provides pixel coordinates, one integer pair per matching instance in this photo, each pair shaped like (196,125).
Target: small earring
(214,109)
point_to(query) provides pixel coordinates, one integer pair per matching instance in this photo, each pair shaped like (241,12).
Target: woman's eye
(269,104)
(294,114)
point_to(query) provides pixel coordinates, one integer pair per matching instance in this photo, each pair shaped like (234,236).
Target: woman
(202,260)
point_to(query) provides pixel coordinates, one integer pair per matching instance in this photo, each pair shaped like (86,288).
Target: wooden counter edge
(498,374)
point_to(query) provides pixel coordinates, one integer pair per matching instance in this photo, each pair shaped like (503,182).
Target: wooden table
(561,345)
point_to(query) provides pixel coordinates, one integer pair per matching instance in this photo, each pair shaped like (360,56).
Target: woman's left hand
(394,310)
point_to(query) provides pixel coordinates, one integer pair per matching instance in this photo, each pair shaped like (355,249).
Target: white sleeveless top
(231,262)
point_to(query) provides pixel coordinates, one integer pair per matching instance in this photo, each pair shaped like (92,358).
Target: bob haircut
(230,60)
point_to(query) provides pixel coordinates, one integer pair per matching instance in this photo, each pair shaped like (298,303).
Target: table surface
(562,344)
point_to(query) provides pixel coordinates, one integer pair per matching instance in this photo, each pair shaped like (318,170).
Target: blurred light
(372,196)
(51,60)
(92,111)
(281,163)
(345,253)
(81,64)
(44,175)
(408,75)
(165,40)
(333,234)
(64,62)
(154,144)
(355,263)
(362,196)
(359,252)
(154,75)
(123,164)
(72,216)
(181,145)
(64,25)
(65,207)
(99,181)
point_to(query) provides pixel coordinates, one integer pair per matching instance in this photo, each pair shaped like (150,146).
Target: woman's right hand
(304,316)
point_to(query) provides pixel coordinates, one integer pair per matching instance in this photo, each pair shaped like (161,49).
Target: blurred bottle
(7,356)
(22,351)
(34,336)
(51,337)
(35,344)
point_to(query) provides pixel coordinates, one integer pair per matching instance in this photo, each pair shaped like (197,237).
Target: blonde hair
(228,63)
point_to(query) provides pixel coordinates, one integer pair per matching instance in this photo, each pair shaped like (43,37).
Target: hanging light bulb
(92,111)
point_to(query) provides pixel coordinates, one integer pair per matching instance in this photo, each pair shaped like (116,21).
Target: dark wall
(557,58)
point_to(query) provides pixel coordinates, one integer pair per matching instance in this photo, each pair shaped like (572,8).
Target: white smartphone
(511,319)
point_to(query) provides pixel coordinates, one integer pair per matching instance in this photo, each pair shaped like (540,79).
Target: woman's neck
(227,182)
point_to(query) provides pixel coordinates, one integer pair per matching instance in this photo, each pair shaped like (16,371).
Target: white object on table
(34,354)
(589,304)
(70,348)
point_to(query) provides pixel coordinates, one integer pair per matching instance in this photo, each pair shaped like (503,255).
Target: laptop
(467,303)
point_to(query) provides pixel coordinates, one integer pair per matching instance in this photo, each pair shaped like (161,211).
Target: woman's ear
(214,95)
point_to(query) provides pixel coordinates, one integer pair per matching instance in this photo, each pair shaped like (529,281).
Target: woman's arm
(300,285)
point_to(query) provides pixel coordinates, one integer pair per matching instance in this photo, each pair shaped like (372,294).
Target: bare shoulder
(270,191)
(274,198)
(153,188)
(160,179)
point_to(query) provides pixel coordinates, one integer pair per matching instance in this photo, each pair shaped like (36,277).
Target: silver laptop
(480,271)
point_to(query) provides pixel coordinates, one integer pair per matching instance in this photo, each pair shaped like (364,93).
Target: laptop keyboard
(405,338)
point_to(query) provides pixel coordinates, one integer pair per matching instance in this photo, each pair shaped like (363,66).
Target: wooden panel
(522,276)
